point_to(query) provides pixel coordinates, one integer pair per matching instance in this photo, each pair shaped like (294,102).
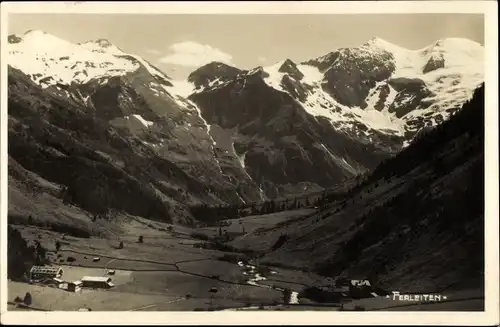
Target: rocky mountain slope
(129,114)
(415,224)
(377,77)
(225,135)
(338,115)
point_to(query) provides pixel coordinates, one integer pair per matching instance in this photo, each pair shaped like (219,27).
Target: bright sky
(178,44)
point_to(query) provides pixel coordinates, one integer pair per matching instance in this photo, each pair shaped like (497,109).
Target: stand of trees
(457,143)
(21,256)
(287,295)
(102,191)
(211,215)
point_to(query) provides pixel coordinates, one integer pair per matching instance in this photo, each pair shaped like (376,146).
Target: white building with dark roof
(75,286)
(97,282)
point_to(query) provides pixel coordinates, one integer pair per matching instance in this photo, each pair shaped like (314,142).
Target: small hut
(75,286)
(360,288)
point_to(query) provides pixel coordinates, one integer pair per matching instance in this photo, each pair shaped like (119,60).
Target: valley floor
(168,273)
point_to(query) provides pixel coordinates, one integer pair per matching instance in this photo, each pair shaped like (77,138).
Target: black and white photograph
(321,162)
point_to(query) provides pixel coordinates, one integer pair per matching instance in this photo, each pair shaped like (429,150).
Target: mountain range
(98,128)
(415,223)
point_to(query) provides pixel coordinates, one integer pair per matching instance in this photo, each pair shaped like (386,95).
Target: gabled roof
(362,282)
(46,269)
(96,279)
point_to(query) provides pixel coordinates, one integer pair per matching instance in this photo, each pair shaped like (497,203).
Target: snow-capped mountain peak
(455,52)
(50,60)
(342,111)
(44,43)
(455,44)
(104,43)
(36,33)
(381,44)
(375,82)
(381,85)
(101,45)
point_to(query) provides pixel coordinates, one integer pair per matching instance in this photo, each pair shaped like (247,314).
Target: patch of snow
(244,84)
(257,278)
(241,160)
(374,95)
(378,120)
(239,197)
(320,103)
(275,77)
(181,87)
(294,298)
(261,193)
(312,75)
(153,71)
(339,161)
(146,123)
(390,99)
(214,82)
(253,71)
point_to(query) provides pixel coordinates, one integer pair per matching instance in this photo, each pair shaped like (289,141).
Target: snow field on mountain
(143,121)
(320,103)
(312,75)
(182,88)
(274,78)
(42,55)
(39,55)
(49,60)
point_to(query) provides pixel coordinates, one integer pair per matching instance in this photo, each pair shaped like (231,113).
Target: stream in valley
(255,276)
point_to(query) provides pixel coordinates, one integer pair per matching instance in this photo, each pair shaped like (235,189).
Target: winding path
(174,265)
(156,304)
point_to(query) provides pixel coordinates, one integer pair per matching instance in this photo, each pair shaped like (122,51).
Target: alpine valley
(325,184)
(102,128)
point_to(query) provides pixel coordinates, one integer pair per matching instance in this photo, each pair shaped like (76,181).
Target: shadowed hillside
(414,224)
(65,162)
